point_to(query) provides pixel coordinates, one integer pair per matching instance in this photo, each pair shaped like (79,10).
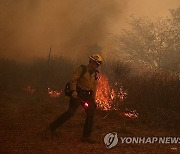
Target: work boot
(88,140)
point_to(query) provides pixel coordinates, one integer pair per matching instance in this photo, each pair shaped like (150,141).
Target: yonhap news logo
(111,140)
(149,140)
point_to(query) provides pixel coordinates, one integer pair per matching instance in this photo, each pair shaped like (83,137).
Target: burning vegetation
(108,97)
(54,93)
(29,89)
(146,92)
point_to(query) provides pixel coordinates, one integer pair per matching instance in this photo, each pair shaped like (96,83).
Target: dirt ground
(23,119)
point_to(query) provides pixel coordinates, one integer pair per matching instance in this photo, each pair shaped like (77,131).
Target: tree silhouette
(156,42)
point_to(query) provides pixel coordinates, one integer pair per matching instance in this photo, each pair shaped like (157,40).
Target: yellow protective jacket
(86,82)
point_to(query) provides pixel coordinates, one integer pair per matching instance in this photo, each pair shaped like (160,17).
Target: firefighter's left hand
(74,94)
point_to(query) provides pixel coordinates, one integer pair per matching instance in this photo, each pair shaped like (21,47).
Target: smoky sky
(28,28)
(152,8)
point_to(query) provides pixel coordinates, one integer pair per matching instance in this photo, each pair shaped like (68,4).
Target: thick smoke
(28,28)
(152,8)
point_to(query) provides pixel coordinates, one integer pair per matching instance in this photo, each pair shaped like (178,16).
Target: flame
(130,114)
(29,89)
(54,93)
(122,94)
(106,96)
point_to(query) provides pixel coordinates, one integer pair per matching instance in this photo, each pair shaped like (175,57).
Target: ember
(54,93)
(29,89)
(130,114)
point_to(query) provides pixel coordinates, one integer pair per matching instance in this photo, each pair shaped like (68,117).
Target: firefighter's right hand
(74,94)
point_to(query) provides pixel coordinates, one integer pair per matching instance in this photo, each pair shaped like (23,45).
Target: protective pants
(73,106)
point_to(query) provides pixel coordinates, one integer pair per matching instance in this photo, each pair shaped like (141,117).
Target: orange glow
(130,114)
(106,97)
(54,93)
(103,93)
(29,89)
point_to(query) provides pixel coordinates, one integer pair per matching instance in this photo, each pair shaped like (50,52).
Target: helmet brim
(97,62)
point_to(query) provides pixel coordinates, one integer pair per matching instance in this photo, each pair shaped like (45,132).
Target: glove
(74,94)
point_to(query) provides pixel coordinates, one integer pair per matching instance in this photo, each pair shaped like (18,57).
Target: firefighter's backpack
(67,90)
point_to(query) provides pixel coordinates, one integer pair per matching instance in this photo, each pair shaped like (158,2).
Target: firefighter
(83,87)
